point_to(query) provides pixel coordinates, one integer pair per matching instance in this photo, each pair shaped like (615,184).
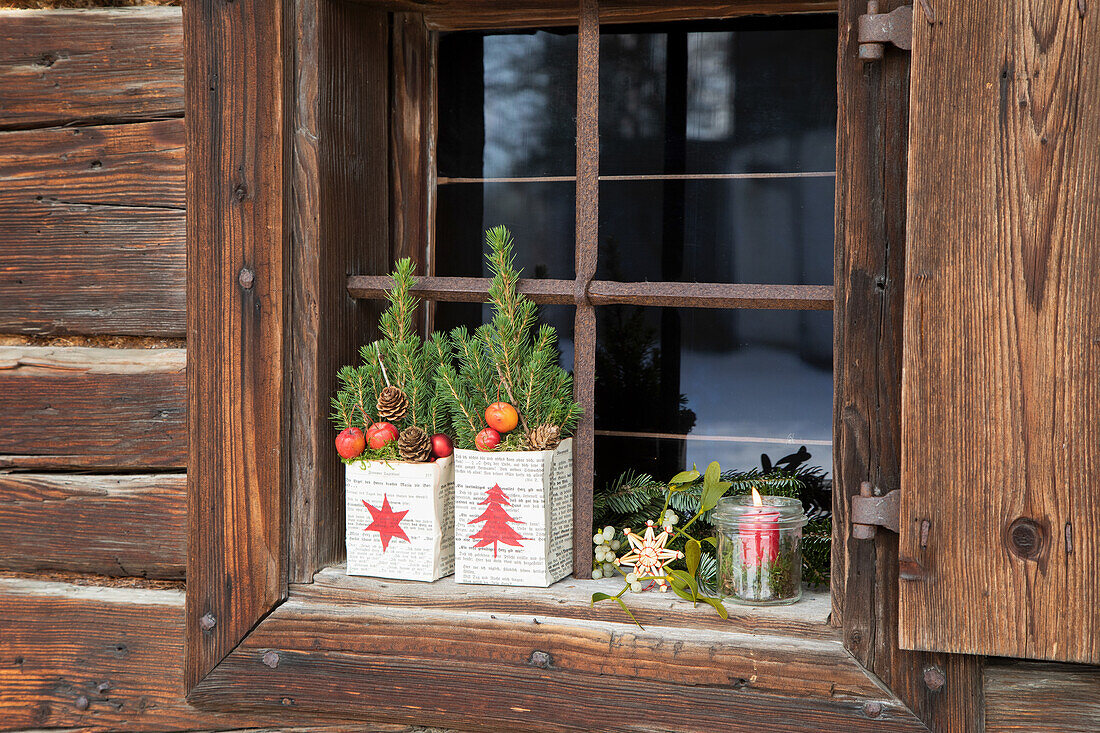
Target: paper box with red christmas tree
(400,519)
(514,516)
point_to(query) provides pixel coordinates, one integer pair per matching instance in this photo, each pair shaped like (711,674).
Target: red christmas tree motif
(387,522)
(496,518)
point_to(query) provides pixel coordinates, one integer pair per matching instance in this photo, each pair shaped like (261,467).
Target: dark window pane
(540,216)
(740,383)
(507,104)
(472,315)
(745,96)
(774,230)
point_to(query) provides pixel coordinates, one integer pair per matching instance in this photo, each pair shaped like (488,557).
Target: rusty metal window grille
(670,187)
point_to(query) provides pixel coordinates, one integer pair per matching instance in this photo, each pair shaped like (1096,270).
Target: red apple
(442,446)
(487,439)
(501,417)
(350,443)
(380,434)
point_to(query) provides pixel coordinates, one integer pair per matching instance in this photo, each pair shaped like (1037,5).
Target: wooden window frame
(292,132)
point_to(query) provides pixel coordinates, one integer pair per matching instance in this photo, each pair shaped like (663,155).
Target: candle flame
(756,500)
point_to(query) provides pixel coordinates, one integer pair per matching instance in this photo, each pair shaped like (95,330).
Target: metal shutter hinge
(869,512)
(877,29)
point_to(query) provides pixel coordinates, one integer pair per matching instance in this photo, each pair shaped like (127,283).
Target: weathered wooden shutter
(1000,518)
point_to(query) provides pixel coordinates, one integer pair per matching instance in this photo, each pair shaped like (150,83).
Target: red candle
(759,532)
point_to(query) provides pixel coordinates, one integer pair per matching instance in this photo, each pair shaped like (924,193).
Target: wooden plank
(64,66)
(869,279)
(106,203)
(1000,382)
(462,14)
(571,599)
(462,667)
(238,294)
(92,408)
(121,649)
(1032,697)
(339,219)
(109,525)
(410,137)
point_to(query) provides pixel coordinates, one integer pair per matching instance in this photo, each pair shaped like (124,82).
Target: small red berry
(442,446)
(350,443)
(380,434)
(487,439)
(501,417)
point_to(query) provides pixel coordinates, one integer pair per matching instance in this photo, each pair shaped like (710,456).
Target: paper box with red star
(514,516)
(400,519)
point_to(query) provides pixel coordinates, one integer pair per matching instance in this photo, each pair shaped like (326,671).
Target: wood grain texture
(93,225)
(92,408)
(570,599)
(463,667)
(463,14)
(109,525)
(65,66)
(121,649)
(1001,379)
(339,219)
(238,292)
(586,249)
(869,277)
(1034,697)
(410,137)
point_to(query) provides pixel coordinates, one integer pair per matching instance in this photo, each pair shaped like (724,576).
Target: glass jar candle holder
(759,549)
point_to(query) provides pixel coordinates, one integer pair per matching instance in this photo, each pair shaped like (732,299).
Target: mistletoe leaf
(712,541)
(693,549)
(597,597)
(679,587)
(713,487)
(717,605)
(684,477)
(686,580)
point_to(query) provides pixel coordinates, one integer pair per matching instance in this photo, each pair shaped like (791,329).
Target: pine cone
(414,445)
(544,437)
(392,405)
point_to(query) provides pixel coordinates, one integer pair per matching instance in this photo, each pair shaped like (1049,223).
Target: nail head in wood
(872,709)
(82,703)
(1026,538)
(207,622)
(271,659)
(246,278)
(541,659)
(934,678)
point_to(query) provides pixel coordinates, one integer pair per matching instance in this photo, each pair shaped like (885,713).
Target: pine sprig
(503,360)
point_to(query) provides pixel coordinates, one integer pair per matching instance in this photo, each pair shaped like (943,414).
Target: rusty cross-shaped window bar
(586,293)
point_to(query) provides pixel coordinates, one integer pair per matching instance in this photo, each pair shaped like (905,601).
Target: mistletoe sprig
(684,581)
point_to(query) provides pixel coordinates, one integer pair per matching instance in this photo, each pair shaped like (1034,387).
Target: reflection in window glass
(715,385)
(776,230)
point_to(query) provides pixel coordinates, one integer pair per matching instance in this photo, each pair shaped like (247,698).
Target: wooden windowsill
(459,655)
(570,599)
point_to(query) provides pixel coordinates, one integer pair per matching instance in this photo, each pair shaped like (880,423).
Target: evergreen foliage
(635,497)
(400,356)
(505,360)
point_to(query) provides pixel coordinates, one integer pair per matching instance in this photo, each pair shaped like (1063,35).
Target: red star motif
(387,522)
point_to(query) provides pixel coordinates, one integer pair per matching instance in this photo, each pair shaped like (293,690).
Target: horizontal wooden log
(462,14)
(92,408)
(63,66)
(108,659)
(109,525)
(92,221)
(607,292)
(446,665)
(1041,698)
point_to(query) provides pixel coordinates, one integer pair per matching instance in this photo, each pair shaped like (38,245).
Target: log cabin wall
(92,393)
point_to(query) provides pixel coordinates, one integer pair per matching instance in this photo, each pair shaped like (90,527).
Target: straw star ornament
(648,554)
